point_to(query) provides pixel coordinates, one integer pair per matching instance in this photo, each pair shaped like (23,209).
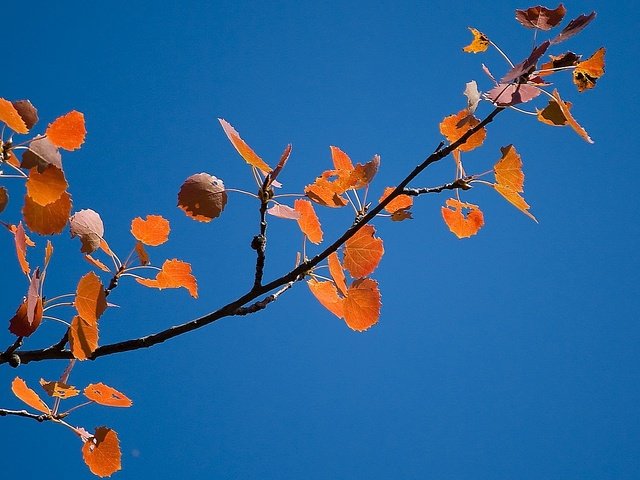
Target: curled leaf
(67,131)
(463,226)
(327,295)
(202,197)
(473,96)
(574,27)
(308,220)
(337,272)
(20,239)
(479,44)
(83,337)
(59,389)
(102,453)
(97,263)
(87,225)
(540,17)
(11,118)
(513,197)
(243,149)
(587,73)
(174,274)
(567,59)
(28,396)
(153,230)
(106,395)
(363,252)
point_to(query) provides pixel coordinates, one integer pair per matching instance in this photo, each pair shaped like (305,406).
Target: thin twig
(23,413)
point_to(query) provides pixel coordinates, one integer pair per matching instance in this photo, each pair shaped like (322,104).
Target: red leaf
(540,17)
(574,27)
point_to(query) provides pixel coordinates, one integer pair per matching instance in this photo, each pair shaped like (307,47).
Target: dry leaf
(59,389)
(540,17)
(4,198)
(587,73)
(202,197)
(574,27)
(462,225)
(27,112)
(479,44)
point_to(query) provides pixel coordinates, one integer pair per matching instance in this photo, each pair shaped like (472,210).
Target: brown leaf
(362,304)
(11,118)
(67,131)
(363,174)
(459,224)
(102,453)
(59,389)
(83,337)
(400,215)
(152,231)
(528,65)
(174,274)
(40,154)
(567,59)
(541,17)
(27,112)
(143,256)
(106,395)
(327,295)
(49,219)
(574,27)
(243,149)
(308,221)
(202,197)
(455,126)
(363,252)
(20,240)
(508,94)
(28,396)
(479,44)
(91,300)
(47,186)
(87,225)
(4,198)
(587,73)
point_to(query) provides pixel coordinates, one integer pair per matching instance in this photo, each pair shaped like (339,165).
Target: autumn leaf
(174,274)
(153,230)
(20,240)
(455,126)
(102,453)
(567,59)
(508,170)
(574,27)
(202,197)
(401,215)
(557,113)
(19,324)
(308,220)
(90,301)
(327,295)
(337,272)
(362,252)
(362,304)
(47,186)
(479,44)
(106,395)
(67,131)
(27,112)
(325,191)
(243,149)
(515,199)
(463,226)
(540,17)
(48,219)
(473,96)
(11,118)
(401,202)
(142,254)
(587,73)
(4,198)
(87,225)
(509,94)
(40,154)
(83,337)
(59,389)
(28,396)
(97,263)
(527,66)
(283,160)
(362,174)
(341,160)
(283,211)
(48,252)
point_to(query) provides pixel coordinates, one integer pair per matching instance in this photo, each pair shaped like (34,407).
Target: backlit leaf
(152,231)
(48,252)
(40,154)
(508,170)
(90,301)
(174,274)
(11,118)
(400,215)
(540,17)
(326,191)
(508,94)
(87,225)
(455,126)
(67,131)
(27,112)
(362,252)
(462,225)
(515,199)
(97,263)
(283,160)
(337,272)
(243,149)
(308,221)
(528,65)
(362,304)
(341,160)
(28,396)
(564,109)
(567,59)
(327,295)
(21,248)
(47,186)
(479,44)
(587,73)
(59,389)
(473,96)
(102,453)
(202,197)
(4,198)
(401,202)
(106,395)
(49,219)
(574,27)
(83,337)
(143,256)
(362,174)
(283,211)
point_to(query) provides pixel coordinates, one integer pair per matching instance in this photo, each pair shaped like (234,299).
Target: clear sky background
(513,354)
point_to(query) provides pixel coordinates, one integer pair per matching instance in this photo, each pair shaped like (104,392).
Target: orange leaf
(28,396)
(327,192)
(68,131)
(455,126)
(341,160)
(46,187)
(508,169)
(479,44)
(362,252)
(105,395)
(362,304)
(587,73)
(91,300)
(20,240)
(174,274)
(83,337)
(48,252)
(102,453)
(308,221)
(143,256)
(243,149)
(202,197)
(401,202)
(337,273)
(97,263)
(4,198)
(327,295)
(462,226)
(10,116)
(567,59)
(363,174)
(49,219)
(152,231)
(59,389)
(552,114)
(564,108)
(515,199)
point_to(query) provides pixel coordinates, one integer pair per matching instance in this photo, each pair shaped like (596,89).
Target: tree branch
(460,183)
(23,413)
(298,273)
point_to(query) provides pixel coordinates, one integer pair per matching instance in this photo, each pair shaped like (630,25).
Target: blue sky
(513,354)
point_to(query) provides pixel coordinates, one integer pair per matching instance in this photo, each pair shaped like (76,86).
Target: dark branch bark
(23,413)
(461,183)
(298,273)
